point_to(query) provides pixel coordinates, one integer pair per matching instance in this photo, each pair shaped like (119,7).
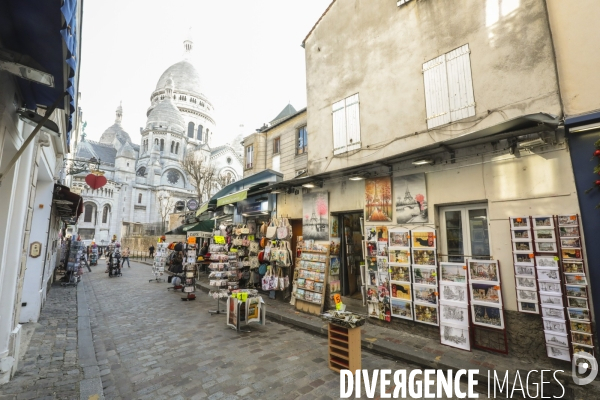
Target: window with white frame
(346,125)
(449,87)
(249,156)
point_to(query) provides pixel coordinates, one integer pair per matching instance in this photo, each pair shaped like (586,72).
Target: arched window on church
(162,144)
(172,147)
(155,141)
(140,198)
(88,212)
(105,212)
(177,148)
(206,139)
(191,130)
(200,128)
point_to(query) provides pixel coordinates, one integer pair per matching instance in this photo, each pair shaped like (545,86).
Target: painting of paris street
(315,223)
(410,199)
(378,199)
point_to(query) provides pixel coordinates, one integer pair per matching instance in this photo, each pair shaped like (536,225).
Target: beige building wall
(377,49)
(289,161)
(259,161)
(576,36)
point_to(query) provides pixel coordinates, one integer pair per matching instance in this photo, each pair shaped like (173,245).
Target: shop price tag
(555,258)
(464,267)
(250,237)
(338,301)
(578,278)
(573,217)
(531,255)
(220,239)
(496,287)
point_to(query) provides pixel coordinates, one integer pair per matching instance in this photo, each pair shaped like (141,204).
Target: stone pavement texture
(50,368)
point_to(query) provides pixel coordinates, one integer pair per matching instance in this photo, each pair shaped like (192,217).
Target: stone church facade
(179,122)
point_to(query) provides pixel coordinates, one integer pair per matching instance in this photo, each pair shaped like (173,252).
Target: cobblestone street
(151,345)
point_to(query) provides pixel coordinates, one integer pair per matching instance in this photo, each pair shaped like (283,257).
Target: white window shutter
(276,163)
(460,83)
(339,128)
(436,92)
(352,123)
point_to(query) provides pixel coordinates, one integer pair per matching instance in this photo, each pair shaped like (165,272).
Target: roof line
(285,119)
(317,23)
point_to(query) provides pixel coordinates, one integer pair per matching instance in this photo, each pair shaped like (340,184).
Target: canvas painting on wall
(315,223)
(378,199)
(410,199)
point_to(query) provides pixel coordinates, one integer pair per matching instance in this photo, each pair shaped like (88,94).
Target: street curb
(91,386)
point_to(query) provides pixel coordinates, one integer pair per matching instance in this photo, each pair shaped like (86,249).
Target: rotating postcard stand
(240,313)
(218,310)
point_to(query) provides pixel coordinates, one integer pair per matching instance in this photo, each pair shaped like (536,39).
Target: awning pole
(32,135)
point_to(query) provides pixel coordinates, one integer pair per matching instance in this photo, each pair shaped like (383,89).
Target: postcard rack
(189,268)
(160,258)
(313,275)
(219,278)
(343,348)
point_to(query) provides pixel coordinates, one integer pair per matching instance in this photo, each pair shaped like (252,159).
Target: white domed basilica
(179,122)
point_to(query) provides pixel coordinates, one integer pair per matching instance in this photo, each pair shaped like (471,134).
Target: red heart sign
(95,181)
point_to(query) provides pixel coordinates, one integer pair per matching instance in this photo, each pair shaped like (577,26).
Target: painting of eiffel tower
(410,201)
(315,220)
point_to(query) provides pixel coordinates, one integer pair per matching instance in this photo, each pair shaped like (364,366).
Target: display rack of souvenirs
(160,259)
(313,273)
(73,263)
(189,269)
(221,272)
(244,307)
(94,255)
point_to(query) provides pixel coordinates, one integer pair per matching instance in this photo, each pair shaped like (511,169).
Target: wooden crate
(343,348)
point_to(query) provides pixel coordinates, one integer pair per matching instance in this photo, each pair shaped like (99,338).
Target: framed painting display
(543,222)
(399,256)
(549,300)
(399,273)
(315,224)
(423,238)
(544,235)
(455,314)
(546,262)
(528,307)
(573,267)
(577,302)
(412,193)
(568,231)
(545,247)
(556,339)
(453,272)
(423,257)
(551,288)
(579,326)
(548,275)
(402,309)
(568,220)
(582,338)
(570,243)
(523,258)
(553,312)
(425,294)
(488,316)
(399,237)
(519,223)
(522,245)
(559,352)
(450,292)
(483,270)
(424,275)
(525,282)
(378,199)
(400,291)
(486,293)
(578,314)
(527,295)
(571,254)
(525,270)
(455,336)
(426,314)
(576,291)
(518,234)
(555,325)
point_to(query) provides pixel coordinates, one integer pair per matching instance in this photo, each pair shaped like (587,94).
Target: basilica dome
(184,75)
(116,130)
(167,115)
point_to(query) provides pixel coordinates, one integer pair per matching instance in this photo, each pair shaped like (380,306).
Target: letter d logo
(582,364)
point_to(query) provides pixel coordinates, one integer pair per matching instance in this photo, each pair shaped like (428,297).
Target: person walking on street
(151,250)
(125,255)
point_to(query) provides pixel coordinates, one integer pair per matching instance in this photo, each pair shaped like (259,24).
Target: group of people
(122,255)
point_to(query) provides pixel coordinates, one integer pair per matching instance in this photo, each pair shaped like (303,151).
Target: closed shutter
(352,123)
(436,92)
(276,163)
(339,127)
(460,83)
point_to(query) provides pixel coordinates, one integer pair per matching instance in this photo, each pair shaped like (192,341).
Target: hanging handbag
(289,229)
(267,252)
(282,231)
(237,241)
(263,229)
(245,242)
(284,281)
(245,230)
(262,269)
(252,227)
(271,230)
(254,262)
(266,281)
(274,281)
(263,242)
(253,248)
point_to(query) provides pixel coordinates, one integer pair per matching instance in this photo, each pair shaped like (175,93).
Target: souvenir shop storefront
(476,245)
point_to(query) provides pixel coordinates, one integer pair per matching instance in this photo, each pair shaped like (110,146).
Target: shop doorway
(351,256)
(464,232)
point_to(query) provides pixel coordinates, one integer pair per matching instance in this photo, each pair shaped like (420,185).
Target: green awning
(232,198)
(202,208)
(203,226)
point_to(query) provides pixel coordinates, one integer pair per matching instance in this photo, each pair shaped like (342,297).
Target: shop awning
(46,31)
(201,209)
(232,198)
(68,204)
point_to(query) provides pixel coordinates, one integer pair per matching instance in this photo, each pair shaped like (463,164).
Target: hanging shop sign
(95,181)
(199,234)
(180,205)
(249,206)
(232,198)
(192,205)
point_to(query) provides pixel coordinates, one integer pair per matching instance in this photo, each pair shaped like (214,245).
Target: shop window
(448,87)
(191,127)
(302,141)
(276,145)
(346,125)
(249,156)
(464,232)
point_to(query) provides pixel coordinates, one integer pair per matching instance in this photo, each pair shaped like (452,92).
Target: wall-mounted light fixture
(313,184)
(423,161)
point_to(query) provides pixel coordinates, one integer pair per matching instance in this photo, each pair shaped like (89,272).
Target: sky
(248,54)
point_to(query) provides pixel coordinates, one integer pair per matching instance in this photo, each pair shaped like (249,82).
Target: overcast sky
(248,54)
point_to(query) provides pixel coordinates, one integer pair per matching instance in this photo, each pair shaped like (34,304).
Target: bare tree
(166,204)
(203,175)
